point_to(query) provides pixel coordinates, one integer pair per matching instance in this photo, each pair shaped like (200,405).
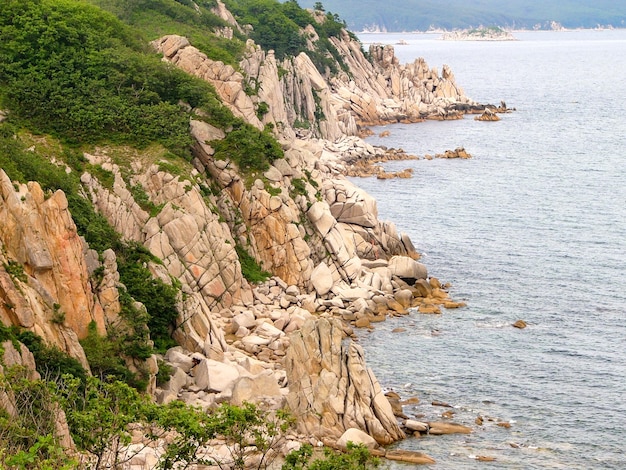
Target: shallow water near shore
(533,227)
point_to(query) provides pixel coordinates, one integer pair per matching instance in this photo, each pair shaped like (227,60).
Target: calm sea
(533,227)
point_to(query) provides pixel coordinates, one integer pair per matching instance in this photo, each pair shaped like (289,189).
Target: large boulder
(407,268)
(322,279)
(356,436)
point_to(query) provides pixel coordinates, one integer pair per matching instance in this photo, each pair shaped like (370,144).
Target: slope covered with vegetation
(422,15)
(76,75)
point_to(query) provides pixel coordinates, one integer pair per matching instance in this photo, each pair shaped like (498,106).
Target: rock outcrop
(44,282)
(330,388)
(302,101)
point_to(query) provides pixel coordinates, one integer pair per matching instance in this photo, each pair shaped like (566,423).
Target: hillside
(176,229)
(423,15)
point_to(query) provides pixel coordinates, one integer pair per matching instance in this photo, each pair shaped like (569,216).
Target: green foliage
(15,270)
(252,150)
(299,186)
(28,437)
(279,26)
(247,430)
(157,18)
(77,72)
(104,356)
(262,109)
(51,362)
(99,414)
(159,298)
(357,457)
(250,269)
(164,374)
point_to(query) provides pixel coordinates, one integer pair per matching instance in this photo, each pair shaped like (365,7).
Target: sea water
(532,227)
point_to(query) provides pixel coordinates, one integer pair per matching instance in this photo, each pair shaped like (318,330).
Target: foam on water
(532,227)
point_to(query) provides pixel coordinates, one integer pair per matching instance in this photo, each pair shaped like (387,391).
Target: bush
(160,299)
(51,362)
(357,457)
(77,72)
(251,149)
(250,269)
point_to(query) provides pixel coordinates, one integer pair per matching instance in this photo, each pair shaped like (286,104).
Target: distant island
(450,15)
(492,33)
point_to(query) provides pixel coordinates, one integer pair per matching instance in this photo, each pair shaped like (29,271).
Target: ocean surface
(533,227)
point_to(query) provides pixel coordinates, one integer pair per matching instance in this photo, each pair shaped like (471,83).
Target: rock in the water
(409,456)
(414,425)
(438,428)
(521,324)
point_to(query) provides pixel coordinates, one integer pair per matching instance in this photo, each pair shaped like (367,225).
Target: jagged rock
(54,298)
(331,390)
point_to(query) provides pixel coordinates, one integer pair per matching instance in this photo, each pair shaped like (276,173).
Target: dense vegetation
(99,416)
(422,15)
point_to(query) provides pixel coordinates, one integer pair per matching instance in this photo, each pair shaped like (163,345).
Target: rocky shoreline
(335,265)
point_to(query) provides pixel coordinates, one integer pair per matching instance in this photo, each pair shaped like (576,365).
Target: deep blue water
(533,227)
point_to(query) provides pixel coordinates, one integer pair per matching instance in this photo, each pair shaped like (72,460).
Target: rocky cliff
(315,232)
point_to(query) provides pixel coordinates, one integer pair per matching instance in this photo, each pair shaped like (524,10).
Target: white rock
(322,279)
(215,376)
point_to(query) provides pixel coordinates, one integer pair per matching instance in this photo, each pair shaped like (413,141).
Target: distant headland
(491,33)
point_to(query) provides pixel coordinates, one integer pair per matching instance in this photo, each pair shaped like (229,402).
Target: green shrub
(251,149)
(160,299)
(357,457)
(88,78)
(50,361)
(250,269)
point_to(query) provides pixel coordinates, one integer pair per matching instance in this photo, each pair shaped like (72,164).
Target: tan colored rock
(54,298)
(439,428)
(215,376)
(256,388)
(356,436)
(331,390)
(322,279)
(414,425)
(409,456)
(407,268)
(521,324)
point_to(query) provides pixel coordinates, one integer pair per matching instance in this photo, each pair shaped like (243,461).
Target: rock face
(374,92)
(44,282)
(330,388)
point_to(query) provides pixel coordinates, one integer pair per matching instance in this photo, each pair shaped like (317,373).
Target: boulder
(322,279)
(215,376)
(409,456)
(330,388)
(407,268)
(356,436)
(438,428)
(414,425)
(254,389)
